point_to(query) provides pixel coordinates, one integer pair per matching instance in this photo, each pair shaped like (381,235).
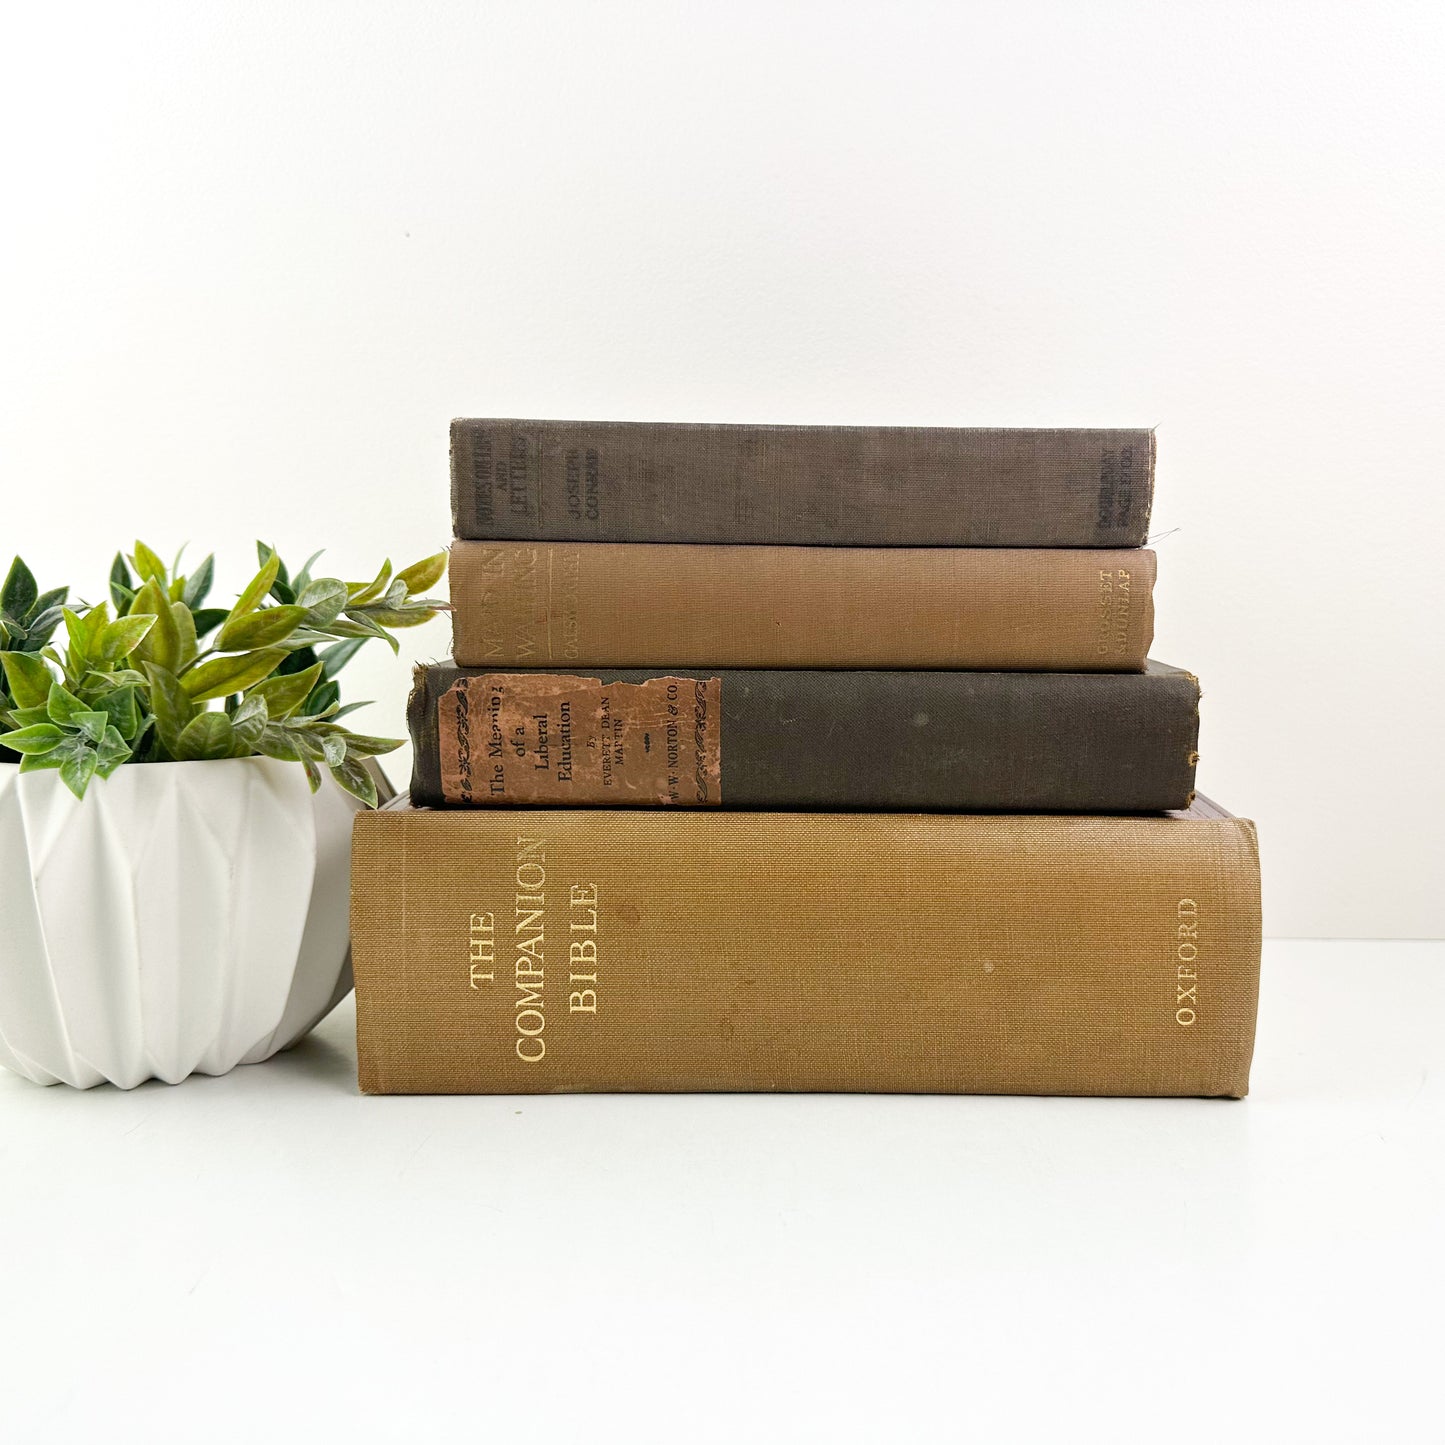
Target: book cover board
(848,486)
(806,740)
(631,605)
(548,951)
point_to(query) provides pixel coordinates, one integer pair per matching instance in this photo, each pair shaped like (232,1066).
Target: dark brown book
(548,951)
(1100,742)
(844,486)
(600,604)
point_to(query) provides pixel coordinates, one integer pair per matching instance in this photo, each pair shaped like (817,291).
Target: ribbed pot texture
(183,918)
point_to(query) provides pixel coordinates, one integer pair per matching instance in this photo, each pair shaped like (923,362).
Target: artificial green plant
(154,675)
(28,619)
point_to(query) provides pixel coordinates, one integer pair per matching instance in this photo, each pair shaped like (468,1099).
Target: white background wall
(253,257)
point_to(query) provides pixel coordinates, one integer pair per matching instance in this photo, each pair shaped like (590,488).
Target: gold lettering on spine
(529,918)
(530,1018)
(1186,955)
(582,952)
(1113,612)
(490,569)
(481,949)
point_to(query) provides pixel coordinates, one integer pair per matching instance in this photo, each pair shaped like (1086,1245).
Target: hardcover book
(599,604)
(849,486)
(804,740)
(547,951)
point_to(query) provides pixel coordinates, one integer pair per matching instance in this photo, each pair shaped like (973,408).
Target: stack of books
(803,758)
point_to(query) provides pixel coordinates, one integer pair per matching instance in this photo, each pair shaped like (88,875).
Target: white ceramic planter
(184,918)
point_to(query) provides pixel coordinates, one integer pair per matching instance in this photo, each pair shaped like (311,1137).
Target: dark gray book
(841,486)
(805,740)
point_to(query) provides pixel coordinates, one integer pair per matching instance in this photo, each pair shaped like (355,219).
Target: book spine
(804,740)
(628,605)
(566,481)
(545,951)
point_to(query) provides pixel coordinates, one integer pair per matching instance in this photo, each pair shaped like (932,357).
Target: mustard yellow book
(547,951)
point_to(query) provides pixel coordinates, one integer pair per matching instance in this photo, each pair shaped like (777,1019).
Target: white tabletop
(271,1256)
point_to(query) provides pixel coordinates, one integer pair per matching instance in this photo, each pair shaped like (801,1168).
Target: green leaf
(124,677)
(93,724)
(19,591)
(361,626)
(207,619)
(119,705)
(28,677)
(294,745)
(122,585)
(333,659)
(356,778)
(140,743)
(259,629)
(426,573)
(121,637)
(323,600)
(199,583)
(303,578)
(77,771)
(40,628)
(408,615)
(97,619)
(325,696)
(60,705)
(249,721)
(304,641)
(208,737)
(162,644)
(298,659)
(34,762)
(67,710)
(186,634)
(306,742)
(278,742)
(369,747)
(230,674)
(172,708)
(39,738)
(258,586)
(253,704)
(281,588)
(149,566)
(284,694)
(54,599)
(359,592)
(85,632)
(264,553)
(110,753)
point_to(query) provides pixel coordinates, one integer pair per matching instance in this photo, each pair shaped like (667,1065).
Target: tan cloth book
(595,604)
(547,951)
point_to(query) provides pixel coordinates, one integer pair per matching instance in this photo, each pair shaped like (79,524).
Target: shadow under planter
(182,918)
